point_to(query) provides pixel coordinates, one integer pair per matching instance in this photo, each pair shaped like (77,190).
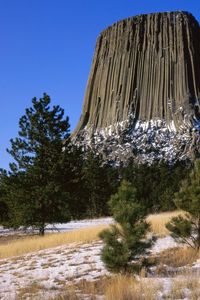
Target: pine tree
(74,181)
(3,205)
(98,185)
(126,241)
(35,189)
(186,229)
(156,184)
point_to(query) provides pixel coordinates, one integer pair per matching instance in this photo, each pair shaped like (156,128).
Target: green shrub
(126,241)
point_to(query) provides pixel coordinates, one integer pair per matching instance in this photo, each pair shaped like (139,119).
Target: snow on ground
(51,268)
(80,224)
(62,227)
(162,244)
(58,266)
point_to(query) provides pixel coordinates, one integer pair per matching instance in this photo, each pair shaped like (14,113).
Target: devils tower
(143,93)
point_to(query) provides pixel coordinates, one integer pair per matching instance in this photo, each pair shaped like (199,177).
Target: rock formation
(144,88)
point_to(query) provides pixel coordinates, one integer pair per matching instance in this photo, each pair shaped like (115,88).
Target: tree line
(52,180)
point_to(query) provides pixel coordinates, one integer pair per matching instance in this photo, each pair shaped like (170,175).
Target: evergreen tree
(74,180)
(35,189)
(99,184)
(125,241)
(3,205)
(186,229)
(156,184)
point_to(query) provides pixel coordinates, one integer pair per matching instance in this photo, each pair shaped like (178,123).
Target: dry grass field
(178,257)
(174,273)
(119,287)
(35,243)
(122,287)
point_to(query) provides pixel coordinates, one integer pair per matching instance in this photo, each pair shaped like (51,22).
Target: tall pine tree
(35,189)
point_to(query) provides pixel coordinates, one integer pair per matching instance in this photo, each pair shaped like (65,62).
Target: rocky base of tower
(144,142)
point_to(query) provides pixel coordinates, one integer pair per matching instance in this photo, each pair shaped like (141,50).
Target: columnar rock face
(145,78)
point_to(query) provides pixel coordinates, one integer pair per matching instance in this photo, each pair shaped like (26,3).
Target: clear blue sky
(47,46)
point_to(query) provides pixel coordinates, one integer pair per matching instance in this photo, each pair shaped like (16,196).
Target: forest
(51,180)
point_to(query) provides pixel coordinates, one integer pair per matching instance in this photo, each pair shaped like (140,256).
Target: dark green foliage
(182,230)
(4,211)
(99,183)
(35,189)
(115,253)
(41,135)
(52,180)
(47,184)
(13,191)
(186,229)
(72,180)
(156,184)
(125,242)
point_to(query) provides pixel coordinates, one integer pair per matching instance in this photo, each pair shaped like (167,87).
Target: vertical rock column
(147,66)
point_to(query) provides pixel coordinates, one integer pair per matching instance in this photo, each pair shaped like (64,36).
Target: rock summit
(143,93)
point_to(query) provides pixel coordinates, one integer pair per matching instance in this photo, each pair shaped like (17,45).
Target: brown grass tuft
(127,288)
(158,221)
(29,291)
(178,257)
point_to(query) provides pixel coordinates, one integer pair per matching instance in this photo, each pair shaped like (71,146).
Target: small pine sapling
(125,241)
(186,228)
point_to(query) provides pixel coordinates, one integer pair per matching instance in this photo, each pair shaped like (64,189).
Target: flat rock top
(156,14)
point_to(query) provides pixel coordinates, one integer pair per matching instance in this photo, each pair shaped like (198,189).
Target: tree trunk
(41,230)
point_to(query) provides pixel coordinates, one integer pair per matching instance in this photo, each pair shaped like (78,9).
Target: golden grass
(36,243)
(119,287)
(6,239)
(86,235)
(158,221)
(175,258)
(123,287)
(178,257)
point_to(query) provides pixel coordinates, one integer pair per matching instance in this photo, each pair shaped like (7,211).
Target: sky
(48,45)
